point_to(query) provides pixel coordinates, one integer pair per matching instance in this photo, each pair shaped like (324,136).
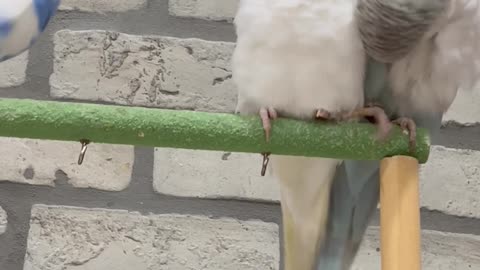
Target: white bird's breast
(298,55)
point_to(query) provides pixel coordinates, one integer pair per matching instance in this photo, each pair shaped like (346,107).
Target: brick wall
(142,208)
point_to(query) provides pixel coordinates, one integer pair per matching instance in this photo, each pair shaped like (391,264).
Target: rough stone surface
(216,10)
(143,70)
(77,238)
(3,220)
(440,251)
(465,109)
(106,167)
(13,71)
(102,5)
(212,174)
(451,182)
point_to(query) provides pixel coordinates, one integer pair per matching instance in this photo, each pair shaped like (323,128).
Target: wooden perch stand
(400,214)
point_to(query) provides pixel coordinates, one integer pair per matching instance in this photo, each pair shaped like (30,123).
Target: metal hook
(83,150)
(266,159)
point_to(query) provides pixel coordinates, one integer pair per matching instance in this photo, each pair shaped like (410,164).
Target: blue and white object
(21,22)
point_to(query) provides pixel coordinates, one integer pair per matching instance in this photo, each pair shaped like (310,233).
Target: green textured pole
(65,121)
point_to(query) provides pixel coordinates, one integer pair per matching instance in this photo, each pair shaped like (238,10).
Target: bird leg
(266,114)
(408,125)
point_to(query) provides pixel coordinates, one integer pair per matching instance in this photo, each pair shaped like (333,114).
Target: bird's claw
(409,126)
(266,114)
(378,115)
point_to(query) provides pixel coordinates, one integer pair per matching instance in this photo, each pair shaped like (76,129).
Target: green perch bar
(67,121)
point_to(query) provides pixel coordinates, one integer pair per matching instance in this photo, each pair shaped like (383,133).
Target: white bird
(300,59)
(428,49)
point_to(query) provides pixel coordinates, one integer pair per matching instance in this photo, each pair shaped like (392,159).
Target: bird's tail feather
(304,187)
(302,239)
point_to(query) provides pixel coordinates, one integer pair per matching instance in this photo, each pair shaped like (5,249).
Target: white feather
(428,79)
(24,18)
(297,56)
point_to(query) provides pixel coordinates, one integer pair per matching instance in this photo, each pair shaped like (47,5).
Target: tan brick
(465,109)
(450,182)
(212,174)
(13,70)
(70,238)
(102,5)
(3,220)
(106,167)
(143,70)
(215,10)
(445,251)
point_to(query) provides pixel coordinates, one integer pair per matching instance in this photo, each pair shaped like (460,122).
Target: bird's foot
(378,116)
(266,114)
(409,126)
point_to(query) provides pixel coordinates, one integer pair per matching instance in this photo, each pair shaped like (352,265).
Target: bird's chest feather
(299,58)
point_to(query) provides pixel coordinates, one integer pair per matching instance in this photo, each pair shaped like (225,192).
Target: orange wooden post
(400,214)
